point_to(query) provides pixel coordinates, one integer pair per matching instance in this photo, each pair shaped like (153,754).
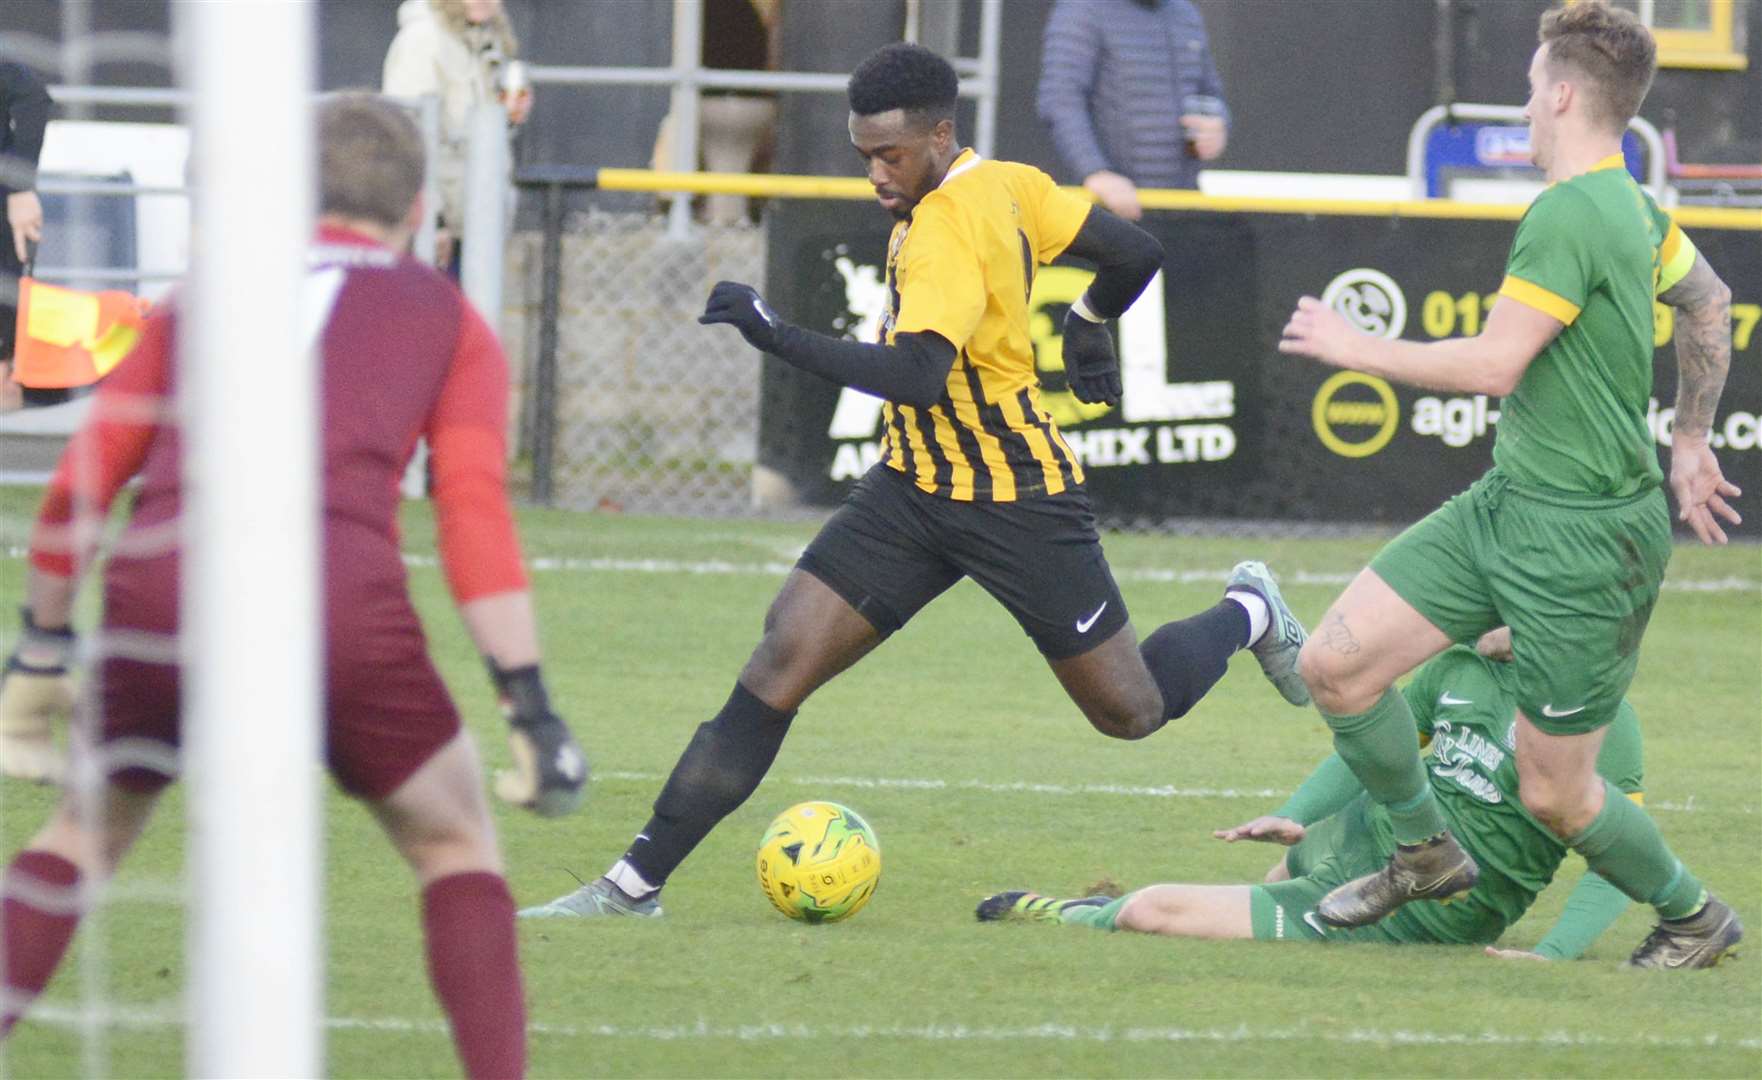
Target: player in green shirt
(1465,706)
(1566,538)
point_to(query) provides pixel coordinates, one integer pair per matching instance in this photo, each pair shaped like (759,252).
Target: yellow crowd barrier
(855,188)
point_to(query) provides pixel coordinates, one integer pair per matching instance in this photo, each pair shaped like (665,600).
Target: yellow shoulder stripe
(1639,797)
(1532,295)
(1676,257)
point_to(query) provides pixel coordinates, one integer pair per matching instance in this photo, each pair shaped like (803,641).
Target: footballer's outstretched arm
(1492,362)
(913,370)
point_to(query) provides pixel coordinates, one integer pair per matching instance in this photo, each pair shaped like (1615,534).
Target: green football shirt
(1464,703)
(1593,252)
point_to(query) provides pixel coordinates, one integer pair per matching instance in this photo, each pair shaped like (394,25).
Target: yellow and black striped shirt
(962,267)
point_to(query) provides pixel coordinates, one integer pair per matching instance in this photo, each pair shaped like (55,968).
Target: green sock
(1624,846)
(1382,747)
(1099,917)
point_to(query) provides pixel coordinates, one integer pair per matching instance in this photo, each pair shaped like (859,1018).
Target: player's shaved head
(907,77)
(370,158)
(1606,50)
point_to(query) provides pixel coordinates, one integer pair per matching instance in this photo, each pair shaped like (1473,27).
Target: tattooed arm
(1703,345)
(1703,355)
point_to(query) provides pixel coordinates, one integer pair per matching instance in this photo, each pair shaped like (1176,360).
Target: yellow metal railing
(854,188)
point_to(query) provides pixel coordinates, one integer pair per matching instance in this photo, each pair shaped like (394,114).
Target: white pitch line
(1011,787)
(1160,575)
(1164,791)
(168,1015)
(607,564)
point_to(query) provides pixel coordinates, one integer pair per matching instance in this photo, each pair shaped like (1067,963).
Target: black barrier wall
(1215,422)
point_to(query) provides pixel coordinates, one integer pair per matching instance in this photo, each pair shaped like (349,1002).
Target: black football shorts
(891,549)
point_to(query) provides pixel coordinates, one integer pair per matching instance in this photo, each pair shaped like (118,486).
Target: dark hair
(904,76)
(370,158)
(1610,48)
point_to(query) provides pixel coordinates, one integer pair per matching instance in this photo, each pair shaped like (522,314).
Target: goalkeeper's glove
(1091,367)
(741,307)
(36,691)
(550,771)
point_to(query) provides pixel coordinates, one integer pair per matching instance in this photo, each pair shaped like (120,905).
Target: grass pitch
(956,743)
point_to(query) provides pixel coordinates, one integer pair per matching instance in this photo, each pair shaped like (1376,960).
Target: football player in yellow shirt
(974,478)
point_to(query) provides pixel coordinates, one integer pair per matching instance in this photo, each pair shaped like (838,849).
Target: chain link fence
(655,414)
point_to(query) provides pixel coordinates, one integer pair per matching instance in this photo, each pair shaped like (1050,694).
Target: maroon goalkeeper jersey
(404,356)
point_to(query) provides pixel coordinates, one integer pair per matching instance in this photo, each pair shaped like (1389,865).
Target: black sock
(1187,658)
(724,762)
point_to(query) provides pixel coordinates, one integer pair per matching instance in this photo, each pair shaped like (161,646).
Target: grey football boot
(597,898)
(1699,941)
(1435,869)
(1277,649)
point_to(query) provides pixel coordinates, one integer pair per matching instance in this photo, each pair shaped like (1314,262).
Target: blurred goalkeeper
(1464,704)
(403,355)
(974,478)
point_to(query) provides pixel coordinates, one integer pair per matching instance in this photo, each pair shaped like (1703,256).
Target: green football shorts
(1574,576)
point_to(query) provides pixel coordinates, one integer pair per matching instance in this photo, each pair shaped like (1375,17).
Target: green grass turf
(724,986)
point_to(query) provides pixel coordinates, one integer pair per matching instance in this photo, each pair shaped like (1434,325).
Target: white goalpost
(251,610)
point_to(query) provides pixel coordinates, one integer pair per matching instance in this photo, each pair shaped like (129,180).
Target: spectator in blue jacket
(1131,95)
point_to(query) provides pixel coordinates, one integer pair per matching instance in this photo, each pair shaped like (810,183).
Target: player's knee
(1125,705)
(442,837)
(1145,911)
(96,846)
(780,670)
(1562,809)
(64,836)
(1126,718)
(436,850)
(1329,677)
(1545,806)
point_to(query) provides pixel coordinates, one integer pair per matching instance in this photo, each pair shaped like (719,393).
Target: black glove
(741,307)
(1091,367)
(550,771)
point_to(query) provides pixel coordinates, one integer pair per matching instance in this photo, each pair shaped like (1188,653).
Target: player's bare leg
(42,886)
(1561,787)
(1368,639)
(1202,911)
(1558,777)
(1128,690)
(439,821)
(439,818)
(1113,687)
(811,634)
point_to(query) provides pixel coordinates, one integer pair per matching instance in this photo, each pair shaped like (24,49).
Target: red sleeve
(468,443)
(107,451)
